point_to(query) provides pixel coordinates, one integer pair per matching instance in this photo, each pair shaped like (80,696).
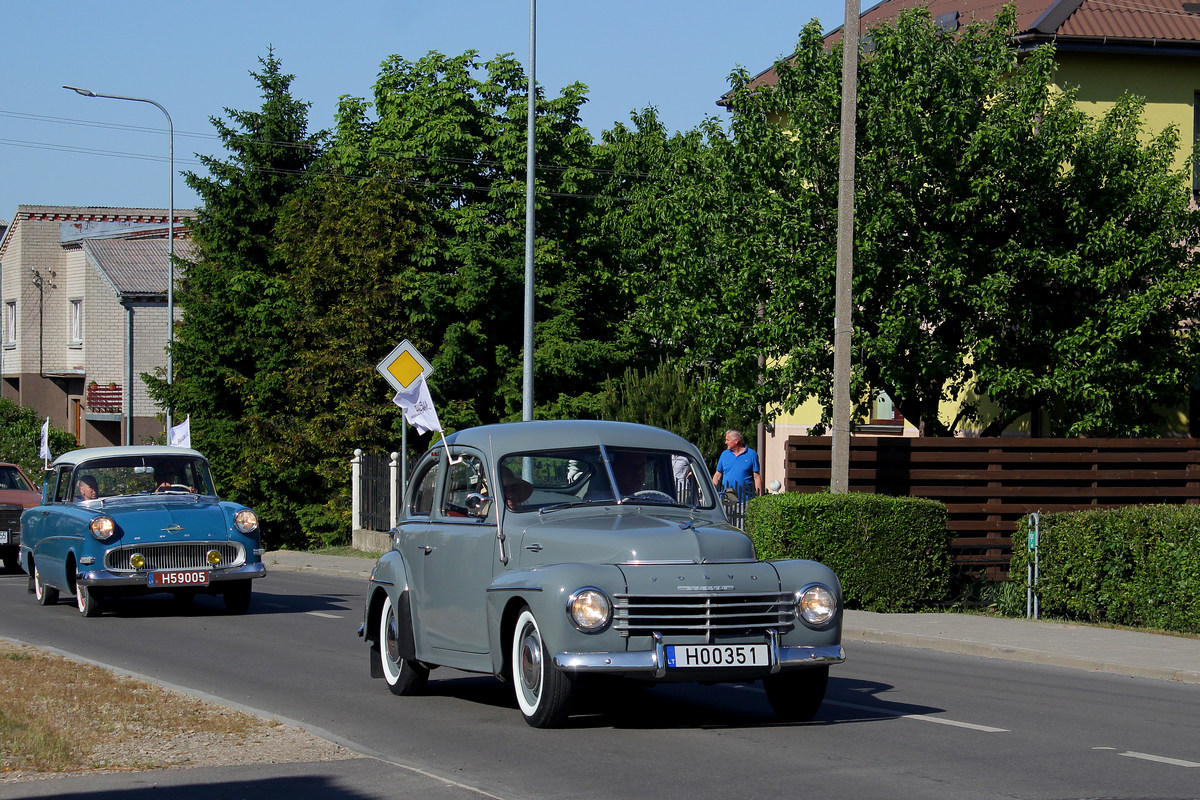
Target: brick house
(83,292)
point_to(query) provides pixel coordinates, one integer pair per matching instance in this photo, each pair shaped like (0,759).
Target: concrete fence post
(396,489)
(356,491)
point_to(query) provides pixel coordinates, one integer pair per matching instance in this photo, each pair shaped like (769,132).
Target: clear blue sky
(57,148)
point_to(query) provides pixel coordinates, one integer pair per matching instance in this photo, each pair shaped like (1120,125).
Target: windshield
(140,475)
(11,478)
(543,479)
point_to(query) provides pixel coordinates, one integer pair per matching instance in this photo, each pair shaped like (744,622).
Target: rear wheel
(45,595)
(87,600)
(403,675)
(236,595)
(797,696)
(543,690)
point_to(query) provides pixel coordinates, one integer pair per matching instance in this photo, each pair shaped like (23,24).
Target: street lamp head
(77,90)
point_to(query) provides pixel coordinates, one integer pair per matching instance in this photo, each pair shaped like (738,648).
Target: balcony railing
(104,399)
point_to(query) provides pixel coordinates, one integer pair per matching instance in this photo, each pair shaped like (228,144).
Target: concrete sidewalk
(1121,652)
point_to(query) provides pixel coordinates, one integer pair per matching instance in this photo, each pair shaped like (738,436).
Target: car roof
(562,433)
(153,451)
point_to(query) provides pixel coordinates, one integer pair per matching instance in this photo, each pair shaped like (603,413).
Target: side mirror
(478,505)
(729,497)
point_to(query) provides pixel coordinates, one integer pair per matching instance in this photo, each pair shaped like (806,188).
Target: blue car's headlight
(246,521)
(103,528)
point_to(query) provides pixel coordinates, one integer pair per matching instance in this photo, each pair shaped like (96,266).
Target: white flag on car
(181,434)
(418,406)
(44,451)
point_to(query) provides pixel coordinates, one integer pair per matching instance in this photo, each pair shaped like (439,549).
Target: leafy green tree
(232,346)
(21,438)
(1005,243)
(351,244)
(666,398)
(460,126)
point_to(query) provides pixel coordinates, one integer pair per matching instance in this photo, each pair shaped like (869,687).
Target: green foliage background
(890,553)
(1137,566)
(21,438)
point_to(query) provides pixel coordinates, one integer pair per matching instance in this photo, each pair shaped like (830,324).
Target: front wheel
(87,600)
(403,675)
(45,595)
(236,595)
(797,696)
(543,690)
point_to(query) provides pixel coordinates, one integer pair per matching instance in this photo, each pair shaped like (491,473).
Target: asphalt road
(897,722)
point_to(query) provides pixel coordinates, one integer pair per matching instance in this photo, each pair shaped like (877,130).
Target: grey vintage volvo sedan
(541,551)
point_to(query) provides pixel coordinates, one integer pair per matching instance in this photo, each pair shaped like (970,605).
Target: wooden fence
(988,485)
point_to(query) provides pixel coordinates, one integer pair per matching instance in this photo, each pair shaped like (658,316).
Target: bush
(1137,566)
(890,553)
(21,438)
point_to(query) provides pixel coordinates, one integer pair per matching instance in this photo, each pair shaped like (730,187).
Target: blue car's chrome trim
(102,577)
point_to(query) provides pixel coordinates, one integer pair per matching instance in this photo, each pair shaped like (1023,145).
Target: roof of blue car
(89,453)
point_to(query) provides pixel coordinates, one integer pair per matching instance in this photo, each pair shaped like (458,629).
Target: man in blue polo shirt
(737,468)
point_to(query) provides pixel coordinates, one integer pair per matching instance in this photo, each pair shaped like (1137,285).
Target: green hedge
(890,553)
(1137,566)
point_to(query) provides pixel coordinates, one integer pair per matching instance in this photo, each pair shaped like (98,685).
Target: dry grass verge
(60,716)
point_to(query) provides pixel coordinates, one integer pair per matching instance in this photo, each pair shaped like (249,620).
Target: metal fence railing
(376,493)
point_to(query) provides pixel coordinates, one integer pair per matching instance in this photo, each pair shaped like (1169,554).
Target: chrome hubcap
(531,663)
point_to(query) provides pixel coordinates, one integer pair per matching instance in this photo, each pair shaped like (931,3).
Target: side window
(422,500)
(462,479)
(62,487)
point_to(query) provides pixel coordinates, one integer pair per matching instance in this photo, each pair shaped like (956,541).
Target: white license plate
(191,577)
(682,656)
(4,537)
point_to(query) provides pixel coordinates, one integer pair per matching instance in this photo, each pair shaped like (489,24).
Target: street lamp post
(170,238)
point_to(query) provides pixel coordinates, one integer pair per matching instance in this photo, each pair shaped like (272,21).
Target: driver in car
(164,477)
(630,471)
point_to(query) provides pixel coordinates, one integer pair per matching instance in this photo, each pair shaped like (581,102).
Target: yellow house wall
(1169,86)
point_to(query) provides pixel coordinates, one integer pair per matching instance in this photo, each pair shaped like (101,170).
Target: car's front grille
(10,517)
(187,555)
(703,614)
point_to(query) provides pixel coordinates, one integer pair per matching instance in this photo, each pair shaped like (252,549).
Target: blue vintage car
(541,551)
(135,520)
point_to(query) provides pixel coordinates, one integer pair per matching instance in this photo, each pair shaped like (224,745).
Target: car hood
(20,497)
(183,519)
(619,536)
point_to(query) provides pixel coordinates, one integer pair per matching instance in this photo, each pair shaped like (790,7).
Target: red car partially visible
(16,494)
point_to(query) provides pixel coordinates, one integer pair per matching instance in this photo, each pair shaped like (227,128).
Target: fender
(545,590)
(390,575)
(800,573)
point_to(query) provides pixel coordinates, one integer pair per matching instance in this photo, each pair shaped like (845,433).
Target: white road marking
(918,717)
(326,616)
(1175,762)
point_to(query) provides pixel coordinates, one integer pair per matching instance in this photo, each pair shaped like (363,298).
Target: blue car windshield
(123,476)
(535,480)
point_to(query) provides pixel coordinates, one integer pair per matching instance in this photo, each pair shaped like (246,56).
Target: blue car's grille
(187,555)
(680,614)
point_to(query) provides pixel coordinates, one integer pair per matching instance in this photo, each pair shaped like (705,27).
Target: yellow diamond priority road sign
(404,365)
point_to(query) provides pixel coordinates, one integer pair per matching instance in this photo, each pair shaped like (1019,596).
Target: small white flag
(181,434)
(44,452)
(418,406)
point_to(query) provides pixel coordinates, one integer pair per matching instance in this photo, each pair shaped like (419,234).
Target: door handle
(533,548)
(426,549)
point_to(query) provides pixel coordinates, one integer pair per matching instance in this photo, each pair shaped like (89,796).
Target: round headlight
(103,528)
(590,610)
(137,561)
(816,605)
(213,557)
(246,521)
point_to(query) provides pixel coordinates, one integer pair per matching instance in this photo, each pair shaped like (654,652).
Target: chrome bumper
(655,661)
(103,577)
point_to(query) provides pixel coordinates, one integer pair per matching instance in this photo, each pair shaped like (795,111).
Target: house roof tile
(135,266)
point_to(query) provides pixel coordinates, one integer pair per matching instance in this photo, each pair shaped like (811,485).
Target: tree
(21,438)
(1005,244)
(232,346)
(459,125)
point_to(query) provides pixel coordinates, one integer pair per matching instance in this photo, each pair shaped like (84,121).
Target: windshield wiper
(573,503)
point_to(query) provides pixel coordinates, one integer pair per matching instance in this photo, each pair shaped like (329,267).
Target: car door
(459,562)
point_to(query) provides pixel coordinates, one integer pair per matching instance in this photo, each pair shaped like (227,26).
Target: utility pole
(843,328)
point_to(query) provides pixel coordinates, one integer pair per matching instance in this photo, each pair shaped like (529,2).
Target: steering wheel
(654,493)
(174,487)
